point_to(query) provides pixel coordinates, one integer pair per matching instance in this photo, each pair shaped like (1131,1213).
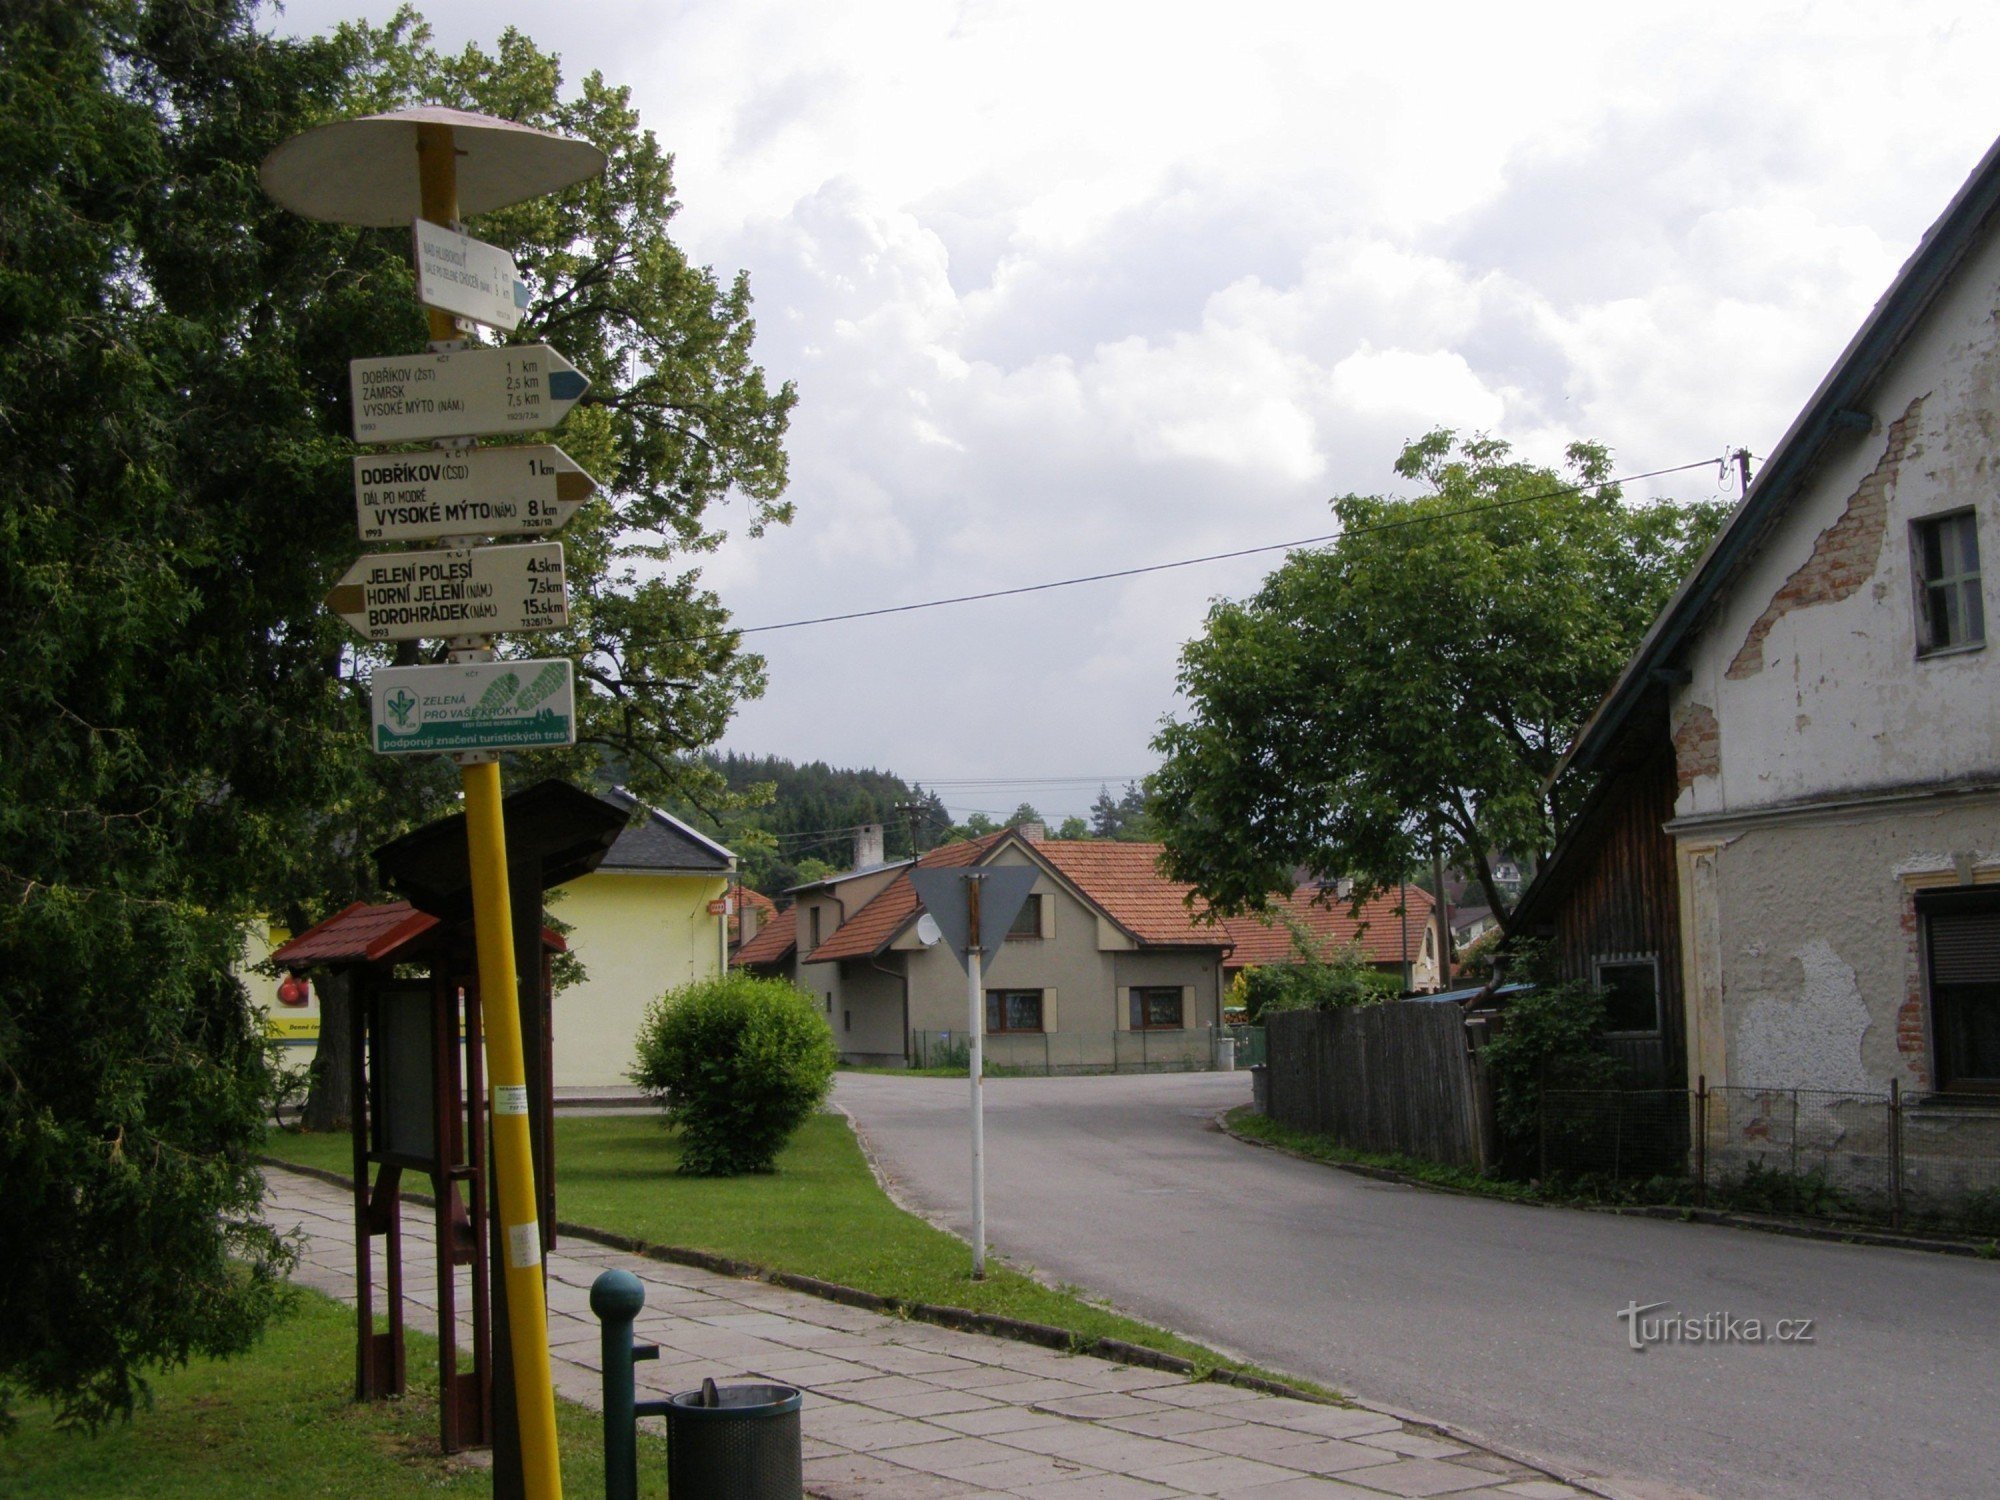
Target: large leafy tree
(181,724)
(1407,690)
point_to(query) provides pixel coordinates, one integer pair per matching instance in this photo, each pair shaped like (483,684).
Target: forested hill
(807,829)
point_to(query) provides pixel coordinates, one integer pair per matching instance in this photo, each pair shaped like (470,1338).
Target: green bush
(739,1063)
(1551,1037)
(1312,981)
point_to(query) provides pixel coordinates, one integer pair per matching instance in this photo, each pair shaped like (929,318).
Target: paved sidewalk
(899,1410)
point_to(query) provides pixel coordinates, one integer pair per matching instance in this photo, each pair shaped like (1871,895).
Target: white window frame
(1601,961)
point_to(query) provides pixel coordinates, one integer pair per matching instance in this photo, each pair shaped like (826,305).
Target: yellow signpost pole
(500,1006)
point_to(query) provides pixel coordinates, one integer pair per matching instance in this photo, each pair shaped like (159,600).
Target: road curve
(1497,1319)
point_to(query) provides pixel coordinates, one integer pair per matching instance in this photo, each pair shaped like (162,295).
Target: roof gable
(1788,472)
(660,843)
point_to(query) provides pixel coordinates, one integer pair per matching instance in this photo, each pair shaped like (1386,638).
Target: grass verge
(280,1423)
(820,1214)
(1246,1122)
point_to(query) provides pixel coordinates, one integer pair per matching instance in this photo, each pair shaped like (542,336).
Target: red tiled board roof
(362,933)
(1125,880)
(882,918)
(1333,922)
(772,942)
(1122,879)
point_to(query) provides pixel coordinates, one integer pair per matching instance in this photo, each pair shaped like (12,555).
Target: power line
(1190,562)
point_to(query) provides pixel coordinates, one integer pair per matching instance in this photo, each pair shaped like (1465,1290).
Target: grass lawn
(281,1422)
(820,1214)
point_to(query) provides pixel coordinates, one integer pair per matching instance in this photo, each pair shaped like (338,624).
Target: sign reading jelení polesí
(414,596)
(491,705)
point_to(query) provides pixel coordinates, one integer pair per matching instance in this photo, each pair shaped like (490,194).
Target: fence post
(1895,1153)
(1542,1128)
(1795,1134)
(1701,1140)
(616,1297)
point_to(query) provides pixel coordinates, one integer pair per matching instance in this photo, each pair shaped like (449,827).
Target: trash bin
(735,1442)
(1225,1052)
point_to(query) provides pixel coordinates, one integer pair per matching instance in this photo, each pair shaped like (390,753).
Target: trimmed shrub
(739,1064)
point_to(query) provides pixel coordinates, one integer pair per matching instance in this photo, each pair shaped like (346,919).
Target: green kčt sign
(496,705)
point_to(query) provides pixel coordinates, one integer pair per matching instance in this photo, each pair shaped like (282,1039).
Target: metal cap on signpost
(425,167)
(973,910)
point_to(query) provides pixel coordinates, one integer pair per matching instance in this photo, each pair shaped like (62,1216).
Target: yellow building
(650,917)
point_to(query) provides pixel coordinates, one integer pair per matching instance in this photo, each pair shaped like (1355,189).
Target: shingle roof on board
(661,842)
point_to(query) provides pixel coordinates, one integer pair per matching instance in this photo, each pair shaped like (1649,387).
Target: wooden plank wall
(1625,898)
(1393,1077)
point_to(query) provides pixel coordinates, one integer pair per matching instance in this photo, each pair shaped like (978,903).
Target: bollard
(616,1297)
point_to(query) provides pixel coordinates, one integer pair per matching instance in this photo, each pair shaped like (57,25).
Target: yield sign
(1002,890)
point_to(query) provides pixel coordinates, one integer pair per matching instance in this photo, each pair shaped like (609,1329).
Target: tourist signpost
(454,591)
(424,167)
(458,274)
(476,391)
(421,497)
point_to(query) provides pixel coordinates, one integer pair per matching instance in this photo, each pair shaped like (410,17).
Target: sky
(1070,288)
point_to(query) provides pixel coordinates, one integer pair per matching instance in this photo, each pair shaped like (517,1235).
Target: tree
(1107,819)
(1407,690)
(1073,828)
(1025,813)
(182,741)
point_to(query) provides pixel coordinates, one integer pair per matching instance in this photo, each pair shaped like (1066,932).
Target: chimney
(867,845)
(1034,833)
(746,918)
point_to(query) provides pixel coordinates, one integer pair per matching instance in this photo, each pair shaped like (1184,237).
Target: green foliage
(1771,1190)
(182,725)
(1314,980)
(1549,1037)
(739,1063)
(1125,817)
(1408,689)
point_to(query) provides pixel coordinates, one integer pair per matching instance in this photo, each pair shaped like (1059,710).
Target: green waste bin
(735,1442)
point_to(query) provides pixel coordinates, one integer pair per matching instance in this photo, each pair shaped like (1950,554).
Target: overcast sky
(1071,287)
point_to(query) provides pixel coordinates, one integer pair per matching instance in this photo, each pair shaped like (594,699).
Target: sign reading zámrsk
(413,596)
(411,398)
(415,497)
(490,705)
(458,274)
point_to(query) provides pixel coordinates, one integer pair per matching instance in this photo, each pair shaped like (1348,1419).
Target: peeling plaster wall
(1815,941)
(1809,666)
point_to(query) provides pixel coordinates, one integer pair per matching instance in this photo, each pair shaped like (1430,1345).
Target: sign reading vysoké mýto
(414,497)
(413,596)
(408,398)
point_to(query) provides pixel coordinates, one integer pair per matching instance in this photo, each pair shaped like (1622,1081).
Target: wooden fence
(1396,1077)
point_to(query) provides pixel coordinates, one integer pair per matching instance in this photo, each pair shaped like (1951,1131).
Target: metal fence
(1922,1161)
(1044,1053)
(1249,1045)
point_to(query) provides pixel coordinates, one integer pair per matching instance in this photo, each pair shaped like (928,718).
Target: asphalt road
(1496,1319)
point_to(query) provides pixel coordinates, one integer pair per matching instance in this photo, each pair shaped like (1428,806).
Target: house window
(1028,920)
(1951,613)
(812,927)
(1013,1010)
(1962,947)
(1156,1008)
(1631,985)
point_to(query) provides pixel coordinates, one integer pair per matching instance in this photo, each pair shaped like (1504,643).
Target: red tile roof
(1122,879)
(774,940)
(1125,880)
(758,902)
(1335,925)
(368,934)
(870,929)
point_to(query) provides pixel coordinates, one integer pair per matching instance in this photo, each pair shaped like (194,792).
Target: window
(1631,985)
(812,927)
(1028,920)
(1156,1008)
(1962,947)
(1013,1010)
(1951,613)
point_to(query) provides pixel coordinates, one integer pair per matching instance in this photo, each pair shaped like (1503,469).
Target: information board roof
(364,171)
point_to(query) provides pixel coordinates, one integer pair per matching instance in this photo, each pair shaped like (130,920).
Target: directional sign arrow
(458,274)
(415,497)
(406,398)
(413,596)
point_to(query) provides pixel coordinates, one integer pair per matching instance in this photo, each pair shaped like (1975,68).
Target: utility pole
(1743,467)
(912,812)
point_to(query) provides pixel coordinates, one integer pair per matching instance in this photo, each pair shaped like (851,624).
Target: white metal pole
(976,1022)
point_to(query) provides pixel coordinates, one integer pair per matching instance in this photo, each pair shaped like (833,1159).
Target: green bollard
(616,1297)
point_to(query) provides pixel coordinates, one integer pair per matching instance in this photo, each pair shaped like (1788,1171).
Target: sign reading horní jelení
(413,596)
